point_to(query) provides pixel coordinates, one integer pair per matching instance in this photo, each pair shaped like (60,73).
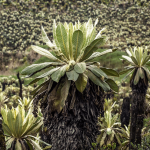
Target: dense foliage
(73,57)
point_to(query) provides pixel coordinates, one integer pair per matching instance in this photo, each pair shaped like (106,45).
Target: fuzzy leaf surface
(59,73)
(93,47)
(44,52)
(97,81)
(81,82)
(38,67)
(77,42)
(97,71)
(62,38)
(48,73)
(46,39)
(72,75)
(80,67)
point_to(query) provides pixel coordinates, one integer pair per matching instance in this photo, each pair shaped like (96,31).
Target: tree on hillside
(125,114)
(140,75)
(72,97)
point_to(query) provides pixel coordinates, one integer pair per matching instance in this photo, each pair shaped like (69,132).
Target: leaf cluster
(139,62)
(21,128)
(71,55)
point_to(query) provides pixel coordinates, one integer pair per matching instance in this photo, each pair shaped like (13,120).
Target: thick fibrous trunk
(75,128)
(2,137)
(125,114)
(137,111)
(3,86)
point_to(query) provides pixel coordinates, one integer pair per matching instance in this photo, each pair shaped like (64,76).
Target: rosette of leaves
(4,100)
(25,102)
(109,105)
(21,128)
(73,57)
(139,62)
(140,75)
(109,128)
(126,137)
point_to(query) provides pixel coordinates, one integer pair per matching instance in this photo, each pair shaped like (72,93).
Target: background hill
(127,24)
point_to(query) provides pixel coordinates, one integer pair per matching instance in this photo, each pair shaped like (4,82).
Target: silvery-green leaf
(6,129)
(128,59)
(48,73)
(19,123)
(134,60)
(96,21)
(133,54)
(140,52)
(80,67)
(65,92)
(145,60)
(72,75)
(100,32)
(46,39)
(59,73)
(137,57)
(62,39)
(54,33)
(70,40)
(76,26)
(33,81)
(99,137)
(66,26)
(92,35)
(47,147)
(137,77)
(77,41)
(125,71)
(147,72)
(89,28)
(128,74)
(44,52)
(79,24)
(11,122)
(148,63)
(67,29)
(93,47)
(36,89)
(36,67)
(9,142)
(84,31)
(98,54)
(18,145)
(117,138)
(36,146)
(103,139)
(97,71)
(112,136)
(141,73)
(144,57)
(128,52)
(39,140)
(61,94)
(81,82)
(97,81)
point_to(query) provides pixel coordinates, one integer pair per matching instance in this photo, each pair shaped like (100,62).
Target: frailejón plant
(74,57)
